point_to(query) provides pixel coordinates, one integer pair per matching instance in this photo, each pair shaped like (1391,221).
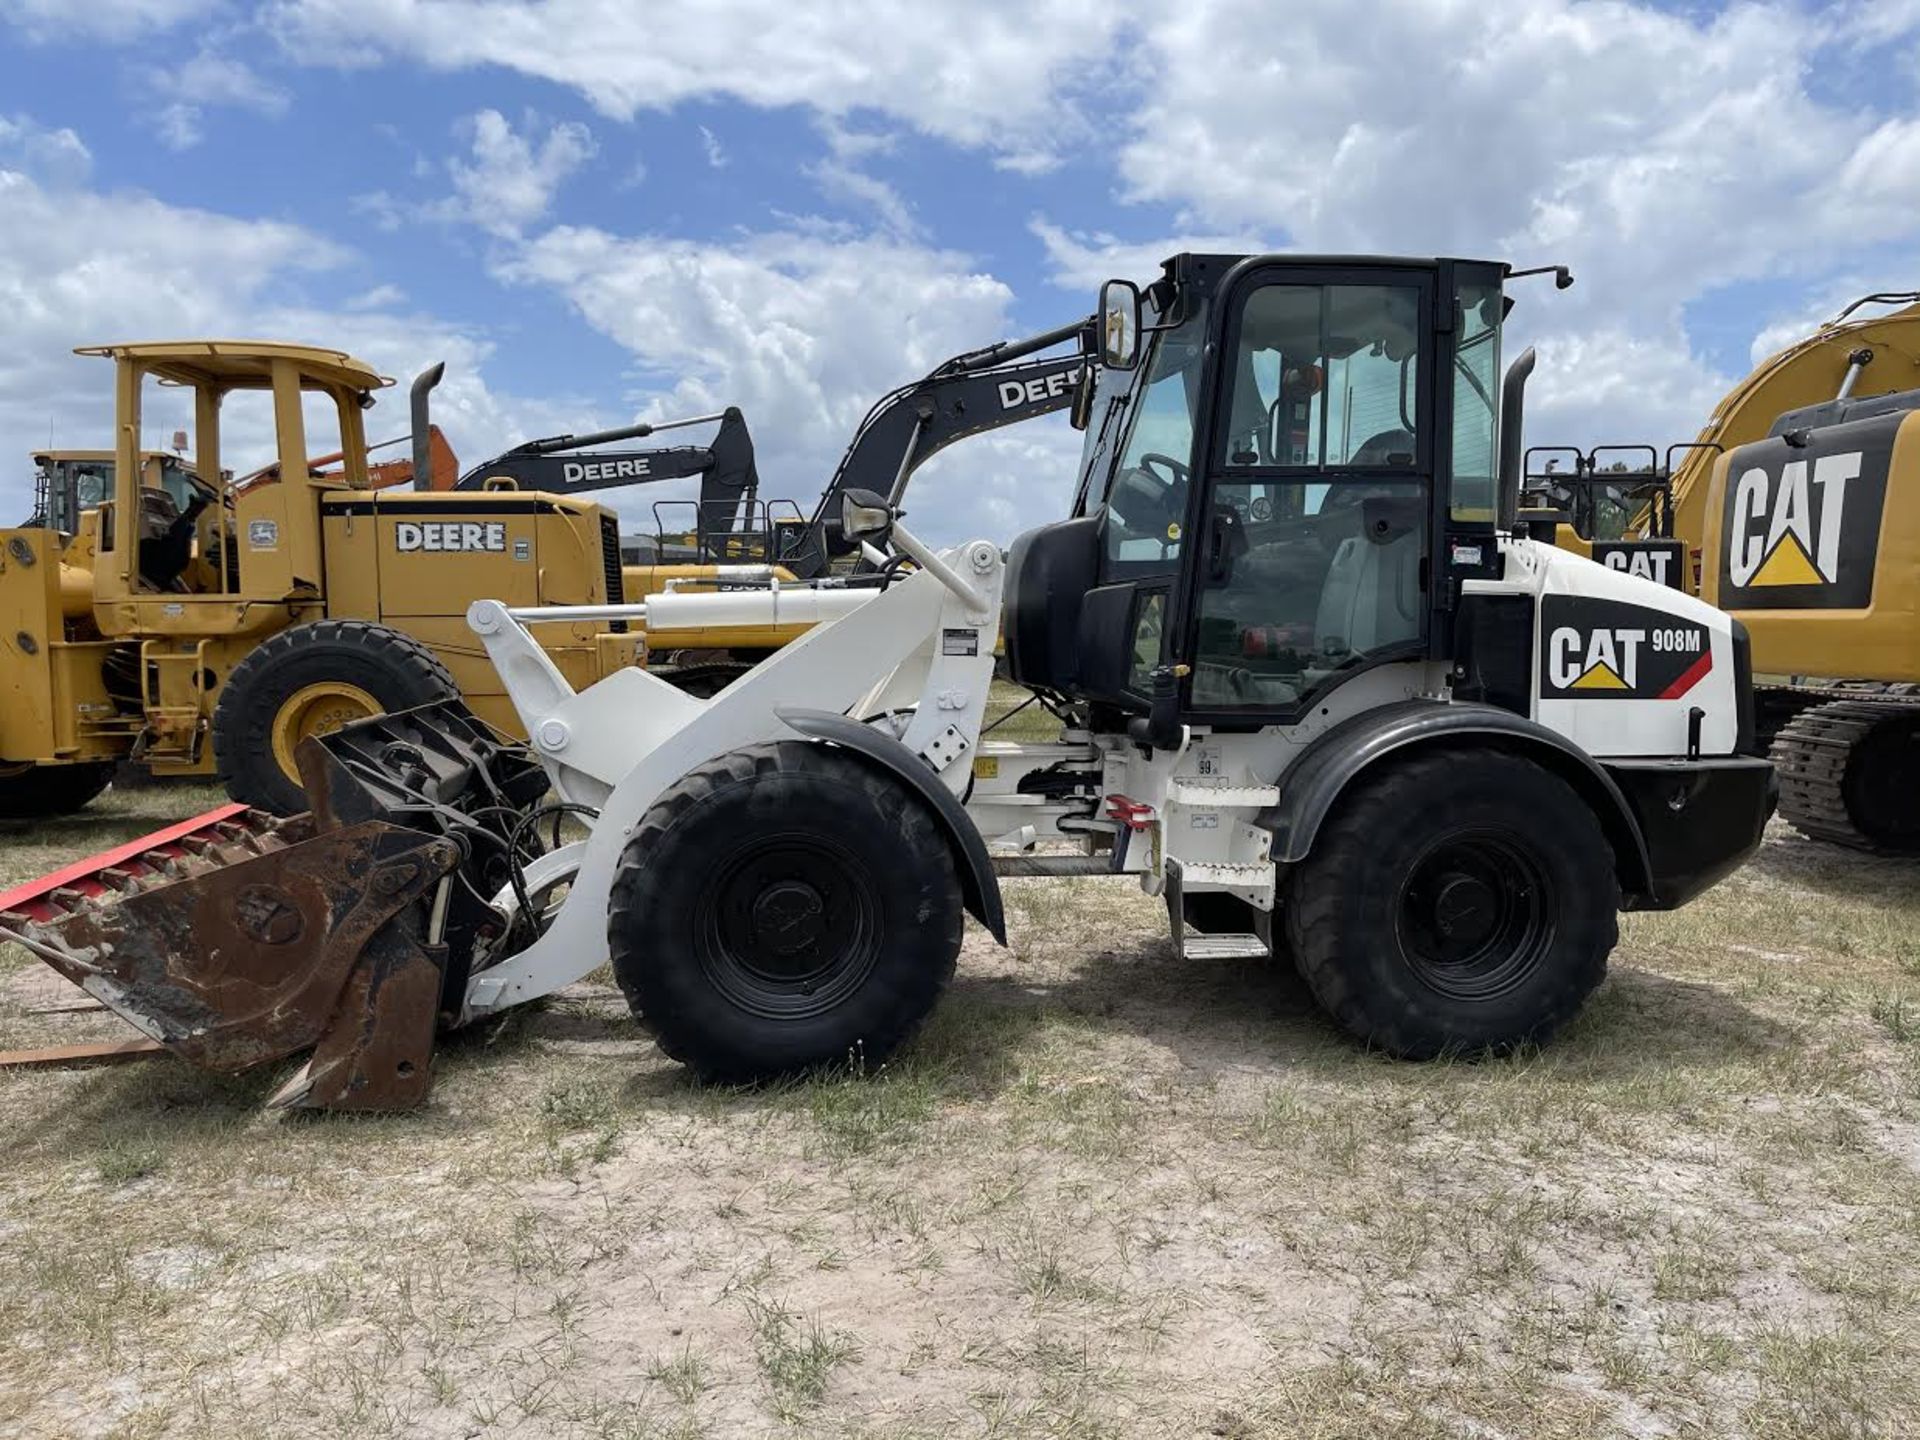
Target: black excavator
(970,394)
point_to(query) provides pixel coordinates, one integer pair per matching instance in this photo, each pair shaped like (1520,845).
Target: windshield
(1147,496)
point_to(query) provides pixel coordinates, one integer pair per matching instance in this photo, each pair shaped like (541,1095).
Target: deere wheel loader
(1318,691)
(1799,506)
(219,633)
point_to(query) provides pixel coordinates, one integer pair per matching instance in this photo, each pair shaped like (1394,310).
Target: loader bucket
(239,939)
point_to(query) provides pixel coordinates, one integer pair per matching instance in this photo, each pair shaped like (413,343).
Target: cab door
(1312,530)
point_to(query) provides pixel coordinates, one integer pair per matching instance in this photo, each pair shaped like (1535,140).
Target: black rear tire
(37,792)
(784,907)
(1454,904)
(395,669)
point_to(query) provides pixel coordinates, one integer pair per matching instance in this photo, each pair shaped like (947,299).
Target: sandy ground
(1107,1193)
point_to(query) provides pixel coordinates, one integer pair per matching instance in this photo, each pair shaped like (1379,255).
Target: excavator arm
(970,394)
(556,466)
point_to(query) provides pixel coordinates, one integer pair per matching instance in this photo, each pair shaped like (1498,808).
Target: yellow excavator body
(1806,372)
(1797,510)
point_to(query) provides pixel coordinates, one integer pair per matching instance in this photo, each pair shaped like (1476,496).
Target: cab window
(1312,562)
(1326,377)
(1476,412)
(1147,500)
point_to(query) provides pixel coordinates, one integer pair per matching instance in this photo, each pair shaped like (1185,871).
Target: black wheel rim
(789,926)
(1475,915)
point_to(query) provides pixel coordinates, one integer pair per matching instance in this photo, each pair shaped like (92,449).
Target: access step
(1197,945)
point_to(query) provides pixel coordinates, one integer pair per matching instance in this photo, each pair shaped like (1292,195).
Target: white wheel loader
(1316,688)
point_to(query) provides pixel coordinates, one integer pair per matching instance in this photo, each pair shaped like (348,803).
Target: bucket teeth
(238,938)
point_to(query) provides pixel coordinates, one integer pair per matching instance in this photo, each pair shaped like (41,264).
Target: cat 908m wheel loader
(1317,691)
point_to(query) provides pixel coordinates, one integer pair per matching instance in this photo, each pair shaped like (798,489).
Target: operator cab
(1277,448)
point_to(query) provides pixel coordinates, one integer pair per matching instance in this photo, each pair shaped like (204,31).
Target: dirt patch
(1107,1192)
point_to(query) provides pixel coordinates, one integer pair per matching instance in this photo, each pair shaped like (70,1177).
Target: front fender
(979,886)
(1313,784)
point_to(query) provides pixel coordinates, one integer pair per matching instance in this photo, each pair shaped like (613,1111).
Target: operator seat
(164,555)
(1371,597)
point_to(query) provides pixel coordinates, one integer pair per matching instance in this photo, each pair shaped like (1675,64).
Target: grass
(1105,1193)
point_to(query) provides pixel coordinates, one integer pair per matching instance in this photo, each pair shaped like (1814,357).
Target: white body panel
(618,744)
(1608,726)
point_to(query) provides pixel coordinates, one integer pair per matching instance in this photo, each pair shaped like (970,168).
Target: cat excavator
(1797,511)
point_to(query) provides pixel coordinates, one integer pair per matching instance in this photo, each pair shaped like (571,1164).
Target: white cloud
(380,297)
(101,19)
(1663,155)
(507,181)
(179,126)
(212,80)
(512,178)
(215,79)
(990,73)
(1080,262)
(80,267)
(804,330)
(1879,186)
(715,152)
(55,157)
(842,176)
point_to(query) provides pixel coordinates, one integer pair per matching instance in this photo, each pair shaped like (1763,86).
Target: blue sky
(597,209)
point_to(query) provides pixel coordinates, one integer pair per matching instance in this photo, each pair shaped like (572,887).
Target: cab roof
(241,364)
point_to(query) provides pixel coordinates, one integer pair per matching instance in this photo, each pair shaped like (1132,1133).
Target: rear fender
(978,884)
(1313,784)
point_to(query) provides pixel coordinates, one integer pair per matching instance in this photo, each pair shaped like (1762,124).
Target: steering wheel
(1179,473)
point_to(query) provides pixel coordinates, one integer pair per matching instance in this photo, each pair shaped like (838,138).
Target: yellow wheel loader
(196,624)
(1319,692)
(1797,511)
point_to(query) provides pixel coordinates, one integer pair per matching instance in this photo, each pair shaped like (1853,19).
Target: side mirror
(1119,325)
(865,515)
(1081,415)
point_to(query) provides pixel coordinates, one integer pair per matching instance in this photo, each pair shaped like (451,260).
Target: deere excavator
(1797,510)
(1319,691)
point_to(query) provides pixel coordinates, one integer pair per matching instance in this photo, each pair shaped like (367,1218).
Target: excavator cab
(1613,504)
(68,483)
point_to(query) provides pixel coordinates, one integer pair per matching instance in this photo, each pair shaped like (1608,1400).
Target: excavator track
(1850,773)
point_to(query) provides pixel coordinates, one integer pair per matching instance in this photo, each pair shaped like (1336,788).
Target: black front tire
(394,668)
(781,908)
(38,792)
(1457,903)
